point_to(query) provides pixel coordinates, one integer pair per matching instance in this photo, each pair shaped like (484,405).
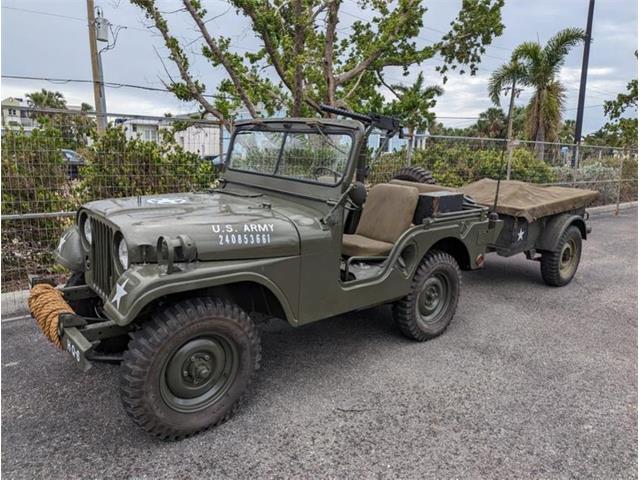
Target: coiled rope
(46,303)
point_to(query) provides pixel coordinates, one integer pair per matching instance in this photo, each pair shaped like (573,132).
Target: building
(16,115)
(201,138)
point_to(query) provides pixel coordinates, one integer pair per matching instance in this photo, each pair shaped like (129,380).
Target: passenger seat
(387,213)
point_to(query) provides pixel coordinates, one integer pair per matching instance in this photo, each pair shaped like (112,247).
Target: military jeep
(172,286)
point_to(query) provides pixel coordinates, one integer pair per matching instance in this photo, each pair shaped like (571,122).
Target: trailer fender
(556,226)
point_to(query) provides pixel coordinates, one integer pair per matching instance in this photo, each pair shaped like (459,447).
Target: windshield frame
(310,127)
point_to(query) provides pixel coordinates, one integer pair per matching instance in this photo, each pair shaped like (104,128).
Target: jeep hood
(223,226)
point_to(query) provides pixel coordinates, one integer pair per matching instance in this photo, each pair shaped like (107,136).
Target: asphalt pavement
(528,382)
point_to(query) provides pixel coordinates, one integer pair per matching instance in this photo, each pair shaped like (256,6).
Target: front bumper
(80,336)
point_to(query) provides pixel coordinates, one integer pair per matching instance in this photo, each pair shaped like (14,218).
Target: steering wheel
(316,172)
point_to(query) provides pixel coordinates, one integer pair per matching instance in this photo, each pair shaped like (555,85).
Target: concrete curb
(611,208)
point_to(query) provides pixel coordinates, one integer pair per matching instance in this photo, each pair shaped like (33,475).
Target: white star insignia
(63,239)
(520,235)
(120,292)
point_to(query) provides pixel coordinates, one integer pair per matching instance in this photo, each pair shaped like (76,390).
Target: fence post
(619,184)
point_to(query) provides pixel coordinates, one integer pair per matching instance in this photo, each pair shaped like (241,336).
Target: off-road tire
(555,270)
(414,174)
(156,347)
(436,268)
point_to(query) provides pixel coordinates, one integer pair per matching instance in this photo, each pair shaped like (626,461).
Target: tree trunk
(410,135)
(298,47)
(540,133)
(330,37)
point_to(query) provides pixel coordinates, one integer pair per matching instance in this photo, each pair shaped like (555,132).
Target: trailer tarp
(520,199)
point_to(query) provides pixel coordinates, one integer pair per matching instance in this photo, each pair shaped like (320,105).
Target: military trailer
(172,286)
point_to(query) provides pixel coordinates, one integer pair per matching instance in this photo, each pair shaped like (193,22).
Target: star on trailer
(520,235)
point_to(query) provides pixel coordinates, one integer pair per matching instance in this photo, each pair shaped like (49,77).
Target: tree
(304,59)
(46,99)
(567,131)
(75,128)
(412,106)
(619,131)
(537,66)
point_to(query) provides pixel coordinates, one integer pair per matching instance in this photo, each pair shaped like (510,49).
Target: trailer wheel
(188,367)
(431,304)
(414,174)
(559,265)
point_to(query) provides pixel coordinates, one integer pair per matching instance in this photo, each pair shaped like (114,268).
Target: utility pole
(510,127)
(96,70)
(583,85)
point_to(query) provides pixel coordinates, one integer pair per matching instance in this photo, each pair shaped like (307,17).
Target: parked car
(74,161)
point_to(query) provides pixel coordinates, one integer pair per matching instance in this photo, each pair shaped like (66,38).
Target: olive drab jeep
(172,286)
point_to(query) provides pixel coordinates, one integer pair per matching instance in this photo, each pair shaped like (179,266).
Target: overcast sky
(48,38)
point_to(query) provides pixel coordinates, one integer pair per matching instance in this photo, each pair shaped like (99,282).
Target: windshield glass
(311,156)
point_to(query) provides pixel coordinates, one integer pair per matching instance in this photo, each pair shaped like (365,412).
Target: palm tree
(537,66)
(412,106)
(46,99)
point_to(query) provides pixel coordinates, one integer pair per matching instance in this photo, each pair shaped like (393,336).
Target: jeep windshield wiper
(235,194)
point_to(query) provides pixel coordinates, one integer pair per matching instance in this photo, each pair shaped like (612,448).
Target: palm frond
(558,46)
(503,77)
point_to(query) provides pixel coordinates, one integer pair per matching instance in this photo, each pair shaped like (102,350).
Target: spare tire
(414,174)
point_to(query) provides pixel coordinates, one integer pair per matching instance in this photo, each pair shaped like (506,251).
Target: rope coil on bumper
(46,303)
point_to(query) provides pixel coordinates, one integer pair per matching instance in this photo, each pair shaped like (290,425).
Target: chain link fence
(54,162)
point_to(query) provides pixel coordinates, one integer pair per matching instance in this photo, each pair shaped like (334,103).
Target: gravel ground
(529,381)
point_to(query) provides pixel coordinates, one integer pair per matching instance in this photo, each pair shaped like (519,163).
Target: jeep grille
(102,257)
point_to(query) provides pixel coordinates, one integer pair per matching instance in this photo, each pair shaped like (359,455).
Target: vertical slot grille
(101,253)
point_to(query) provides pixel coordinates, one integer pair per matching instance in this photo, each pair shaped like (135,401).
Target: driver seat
(387,213)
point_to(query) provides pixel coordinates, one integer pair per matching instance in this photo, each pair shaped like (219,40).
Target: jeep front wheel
(188,367)
(432,301)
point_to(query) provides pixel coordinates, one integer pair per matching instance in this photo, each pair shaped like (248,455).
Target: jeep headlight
(86,229)
(123,253)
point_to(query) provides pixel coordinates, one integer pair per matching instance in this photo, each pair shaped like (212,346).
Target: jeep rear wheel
(559,266)
(432,302)
(188,367)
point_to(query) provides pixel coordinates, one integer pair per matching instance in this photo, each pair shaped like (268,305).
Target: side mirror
(358,194)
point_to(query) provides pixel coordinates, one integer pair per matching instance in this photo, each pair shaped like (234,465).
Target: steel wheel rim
(199,373)
(433,299)
(568,257)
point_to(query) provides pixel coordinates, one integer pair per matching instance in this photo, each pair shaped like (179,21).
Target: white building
(200,138)
(141,128)
(15,115)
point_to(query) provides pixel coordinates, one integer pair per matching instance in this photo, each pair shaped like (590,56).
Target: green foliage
(119,167)
(456,165)
(538,66)
(492,123)
(413,104)
(305,59)
(619,131)
(33,171)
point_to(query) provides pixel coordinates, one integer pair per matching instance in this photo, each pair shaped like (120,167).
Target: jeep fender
(468,241)
(70,253)
(554,228)
(140,286)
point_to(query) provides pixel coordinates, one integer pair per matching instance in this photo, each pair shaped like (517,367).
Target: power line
(68,17)
(106,84)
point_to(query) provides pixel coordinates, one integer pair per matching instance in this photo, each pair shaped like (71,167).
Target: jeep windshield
(317,155)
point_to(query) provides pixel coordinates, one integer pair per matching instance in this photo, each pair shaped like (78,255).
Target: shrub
(456,165)
(117,167)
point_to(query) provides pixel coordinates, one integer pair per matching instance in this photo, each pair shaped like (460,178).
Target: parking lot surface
(528,381)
